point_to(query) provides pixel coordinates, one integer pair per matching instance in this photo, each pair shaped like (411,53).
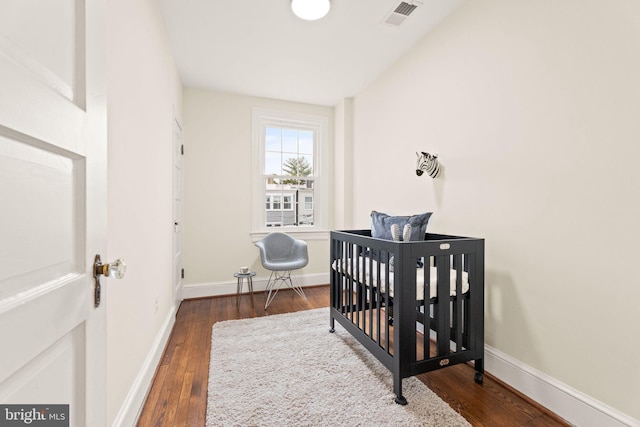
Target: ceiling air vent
(400,13)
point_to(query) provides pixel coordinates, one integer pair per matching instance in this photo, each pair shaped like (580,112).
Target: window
(279,202)
(289,155)
(287,204)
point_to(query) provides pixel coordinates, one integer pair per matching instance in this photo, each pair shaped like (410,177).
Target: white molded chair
(281,254)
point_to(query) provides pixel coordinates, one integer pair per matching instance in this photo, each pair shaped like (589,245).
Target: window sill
(256,236)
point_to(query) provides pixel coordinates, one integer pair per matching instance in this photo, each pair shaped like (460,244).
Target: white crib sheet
(372,280)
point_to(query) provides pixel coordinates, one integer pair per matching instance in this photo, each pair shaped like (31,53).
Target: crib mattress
(371,278)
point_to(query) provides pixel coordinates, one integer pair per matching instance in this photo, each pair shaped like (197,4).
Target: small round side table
(241,278)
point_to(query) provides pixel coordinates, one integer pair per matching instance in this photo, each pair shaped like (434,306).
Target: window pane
(306,164)
(289,204)
(290,141)
(272,163)
(272,141)
(305,209)
(305,138)
(274,219)
(298,167)
(290,164)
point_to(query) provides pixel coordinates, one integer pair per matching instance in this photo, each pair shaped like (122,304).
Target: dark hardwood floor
(178,396)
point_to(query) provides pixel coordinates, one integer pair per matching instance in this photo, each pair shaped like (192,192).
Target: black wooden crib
(416,306)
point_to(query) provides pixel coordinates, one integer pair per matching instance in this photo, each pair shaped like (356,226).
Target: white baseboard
(572,405)
(132,405)
(212,289)
(568,403)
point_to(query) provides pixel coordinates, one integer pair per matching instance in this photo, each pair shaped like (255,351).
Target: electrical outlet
(157,304)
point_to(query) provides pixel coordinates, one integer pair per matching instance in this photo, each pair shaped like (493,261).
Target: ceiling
(259,48)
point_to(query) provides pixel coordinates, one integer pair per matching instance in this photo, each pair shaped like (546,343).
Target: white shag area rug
(288,370)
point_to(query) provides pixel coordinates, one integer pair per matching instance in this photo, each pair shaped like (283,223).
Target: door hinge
(182,273)
(182,149)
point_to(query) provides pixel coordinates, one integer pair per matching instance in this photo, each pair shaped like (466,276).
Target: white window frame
(262,118)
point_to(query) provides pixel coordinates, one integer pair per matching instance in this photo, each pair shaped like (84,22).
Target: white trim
(213,289)
(570,404)
(297,232)
(132,406)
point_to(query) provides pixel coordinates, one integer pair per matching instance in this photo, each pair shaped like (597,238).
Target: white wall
(217,183)
(143,93)
(343,159)
(533,108)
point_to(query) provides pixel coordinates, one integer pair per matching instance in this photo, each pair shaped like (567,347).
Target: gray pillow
(381,225)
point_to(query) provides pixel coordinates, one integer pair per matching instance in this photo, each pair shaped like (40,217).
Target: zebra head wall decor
(427,163)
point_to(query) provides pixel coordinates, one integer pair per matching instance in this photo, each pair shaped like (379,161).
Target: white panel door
(52,205)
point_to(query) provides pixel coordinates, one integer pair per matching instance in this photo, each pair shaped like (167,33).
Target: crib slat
(351,280)
(387,312)
(343,278)
(362,283)
(378,304)
(366,295)
(360,276)
(442,306)
(362,289)
(364,292)
(426,307)
(356,285)
(457,262)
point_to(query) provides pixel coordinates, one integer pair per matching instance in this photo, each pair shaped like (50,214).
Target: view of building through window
(289,176)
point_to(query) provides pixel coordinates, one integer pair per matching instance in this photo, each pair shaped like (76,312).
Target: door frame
(178,217)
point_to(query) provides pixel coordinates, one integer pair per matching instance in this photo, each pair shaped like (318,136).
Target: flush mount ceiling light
(310,10)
